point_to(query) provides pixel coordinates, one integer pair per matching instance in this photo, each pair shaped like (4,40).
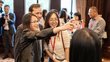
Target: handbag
(104,35)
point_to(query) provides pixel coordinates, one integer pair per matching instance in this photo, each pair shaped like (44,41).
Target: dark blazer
(0,22)
(11,22)
(25,44)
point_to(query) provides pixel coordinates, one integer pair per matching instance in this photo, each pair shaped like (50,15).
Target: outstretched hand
(67,26)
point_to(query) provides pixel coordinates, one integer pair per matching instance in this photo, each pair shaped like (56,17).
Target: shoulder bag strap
(62,40)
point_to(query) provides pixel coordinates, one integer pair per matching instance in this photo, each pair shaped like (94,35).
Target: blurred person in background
(8,23)
(56,47)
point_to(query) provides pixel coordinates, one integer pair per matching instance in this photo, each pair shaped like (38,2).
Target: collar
(7,14)
(97,17)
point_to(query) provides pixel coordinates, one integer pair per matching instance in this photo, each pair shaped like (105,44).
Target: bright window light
(67,4)
(10,3)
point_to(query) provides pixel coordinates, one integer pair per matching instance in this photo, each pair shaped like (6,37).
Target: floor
(105,59)
(6,60)
(12,60)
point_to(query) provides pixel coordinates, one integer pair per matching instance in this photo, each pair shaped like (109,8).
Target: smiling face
(92,12)
(53,21)
(34,23)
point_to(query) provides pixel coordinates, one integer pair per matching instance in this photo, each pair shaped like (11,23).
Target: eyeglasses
(53,19)
(35,21)
(39,13)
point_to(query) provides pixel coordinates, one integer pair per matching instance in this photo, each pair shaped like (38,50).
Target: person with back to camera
(85,46)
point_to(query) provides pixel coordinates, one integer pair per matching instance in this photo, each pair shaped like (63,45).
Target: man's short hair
(1,1)
(6,6)
(33,6)
(94,8)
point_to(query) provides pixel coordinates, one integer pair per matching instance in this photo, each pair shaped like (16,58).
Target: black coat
(28,38)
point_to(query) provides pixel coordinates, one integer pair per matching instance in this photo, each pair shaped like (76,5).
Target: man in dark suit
(8,20)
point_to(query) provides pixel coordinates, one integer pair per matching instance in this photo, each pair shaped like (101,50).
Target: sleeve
(45,46)
(45,33)
(2,20)
(27,34)
(12,18)
(66,37)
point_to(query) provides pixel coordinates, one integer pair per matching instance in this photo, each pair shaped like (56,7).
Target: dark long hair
(47,22)
(78,14)
(63,15)
(26,20)
(48,17)
(43,13)
(85,46)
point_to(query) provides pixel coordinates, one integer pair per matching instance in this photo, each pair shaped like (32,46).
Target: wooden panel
(55,4)
(98,3)
(19,11)
(106,15)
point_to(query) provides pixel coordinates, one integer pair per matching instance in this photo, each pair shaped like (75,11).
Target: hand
(5,17)
(8,18)
(55,60)
(4,25)
(65,61)
(67,26)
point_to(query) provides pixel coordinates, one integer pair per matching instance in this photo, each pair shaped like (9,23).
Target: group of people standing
(28,35)
(58,38)
(34,41)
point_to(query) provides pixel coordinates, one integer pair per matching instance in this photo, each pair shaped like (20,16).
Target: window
(10,3)
(28,3)
(67,4)
(44,4)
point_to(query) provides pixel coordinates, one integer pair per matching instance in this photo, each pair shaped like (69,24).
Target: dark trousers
(7,38)
(1,31)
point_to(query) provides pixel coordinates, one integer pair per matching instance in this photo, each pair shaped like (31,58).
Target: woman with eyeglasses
(57,47)
(28,33)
